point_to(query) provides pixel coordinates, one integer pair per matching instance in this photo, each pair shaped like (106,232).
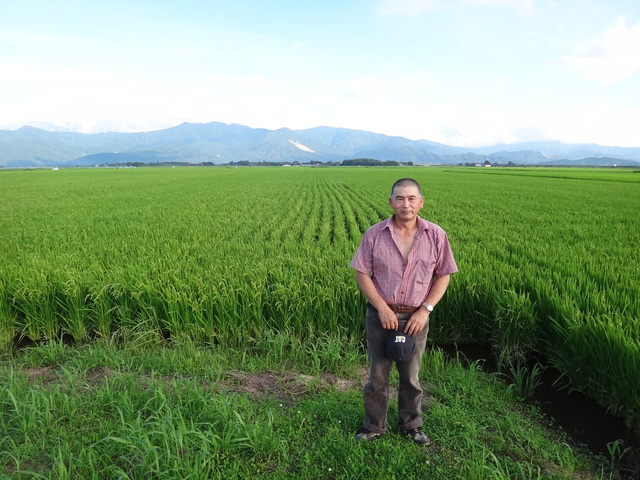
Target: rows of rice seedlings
(558,260)
(626,175)
(207,268)
(547,265)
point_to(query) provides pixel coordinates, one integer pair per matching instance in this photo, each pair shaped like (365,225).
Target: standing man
(402,267)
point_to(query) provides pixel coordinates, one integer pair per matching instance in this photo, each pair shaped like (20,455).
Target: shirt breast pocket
(424,271)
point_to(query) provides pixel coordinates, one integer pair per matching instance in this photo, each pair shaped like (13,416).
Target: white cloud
(416,7)
(365,88)
(611,56)
(88,100)
(37,39)
(408,7)
(594,122)
(478,125)
(522,7)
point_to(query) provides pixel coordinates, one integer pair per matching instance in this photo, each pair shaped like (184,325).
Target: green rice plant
(8,322)
(72,307)
(616,452)
(525,380)
(514,330)
(592,355)
(35,309)
(101,309)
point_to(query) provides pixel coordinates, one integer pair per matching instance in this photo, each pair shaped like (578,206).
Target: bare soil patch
(284,386)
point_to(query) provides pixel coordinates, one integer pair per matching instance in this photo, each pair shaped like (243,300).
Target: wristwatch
(428,307)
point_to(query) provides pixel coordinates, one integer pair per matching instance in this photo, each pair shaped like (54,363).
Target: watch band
(428,307)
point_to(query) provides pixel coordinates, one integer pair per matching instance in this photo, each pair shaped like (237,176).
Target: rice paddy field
(549,261)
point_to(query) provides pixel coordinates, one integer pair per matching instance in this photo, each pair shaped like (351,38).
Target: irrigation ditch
(581,418)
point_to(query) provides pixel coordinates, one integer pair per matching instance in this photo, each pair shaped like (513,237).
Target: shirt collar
(422,223)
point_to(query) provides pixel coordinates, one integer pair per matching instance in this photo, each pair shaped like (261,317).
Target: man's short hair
(406,182)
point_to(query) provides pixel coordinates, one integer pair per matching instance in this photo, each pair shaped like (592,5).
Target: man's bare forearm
(437,291)
(388,319)
(368,289)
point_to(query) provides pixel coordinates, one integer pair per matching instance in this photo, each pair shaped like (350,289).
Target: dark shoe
(418,436)
(365,435)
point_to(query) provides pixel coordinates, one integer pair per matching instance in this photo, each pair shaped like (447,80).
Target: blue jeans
(376,390)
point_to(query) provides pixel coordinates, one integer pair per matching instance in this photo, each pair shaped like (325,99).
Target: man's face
(406,202)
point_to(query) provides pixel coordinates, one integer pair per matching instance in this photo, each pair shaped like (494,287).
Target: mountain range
(220,143)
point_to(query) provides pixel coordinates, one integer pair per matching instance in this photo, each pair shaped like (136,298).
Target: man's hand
(388,319)
(417,322)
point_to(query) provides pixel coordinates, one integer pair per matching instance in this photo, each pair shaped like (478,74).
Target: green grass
(131,409)
(231,258)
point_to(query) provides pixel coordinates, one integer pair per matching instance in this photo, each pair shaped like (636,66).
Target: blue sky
(460,72)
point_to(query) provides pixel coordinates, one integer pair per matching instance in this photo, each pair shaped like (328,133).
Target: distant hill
(220,143)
